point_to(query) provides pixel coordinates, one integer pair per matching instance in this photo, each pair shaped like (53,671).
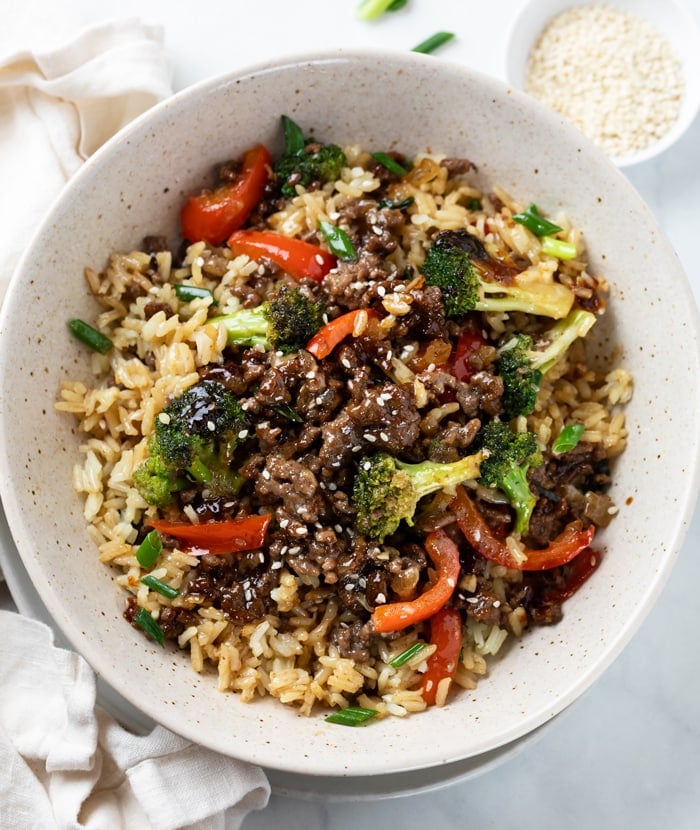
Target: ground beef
(352,640)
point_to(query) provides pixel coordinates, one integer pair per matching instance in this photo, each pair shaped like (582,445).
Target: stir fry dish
(343,439)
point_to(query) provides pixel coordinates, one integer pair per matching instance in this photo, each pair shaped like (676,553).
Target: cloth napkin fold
(64,763)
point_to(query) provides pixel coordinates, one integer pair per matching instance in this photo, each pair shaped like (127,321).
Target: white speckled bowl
(670,17)
(135,185)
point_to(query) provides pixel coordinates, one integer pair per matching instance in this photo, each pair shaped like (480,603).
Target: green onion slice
(351,716)
(394,205)
(160,587)
(149,550)
(533,220)
(558,248)
(186,293)
(474,204)
(90,336)
(407,654)
(391,164)
(397,4)
(287,411)
(338,241)
(429,45)
(372,9)
(293,136)
(568,438)
(149,626)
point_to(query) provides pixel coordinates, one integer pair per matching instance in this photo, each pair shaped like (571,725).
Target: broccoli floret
(508,456)
(457,263)
(156,480)
(193,444)
(305,161)
(522,363)
(387,491)
(285,323)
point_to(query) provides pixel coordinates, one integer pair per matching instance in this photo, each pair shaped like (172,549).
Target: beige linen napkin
(63,762)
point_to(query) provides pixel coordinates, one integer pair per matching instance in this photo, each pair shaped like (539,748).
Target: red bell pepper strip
(395,616)
(446,635)
(575,574)
(297,258)
(468,343)
(335,331)
(569,544)
(214,214)
(227,536)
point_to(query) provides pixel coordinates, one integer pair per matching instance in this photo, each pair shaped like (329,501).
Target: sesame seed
(310,375)
(384,436)
(301,530)
(319,259)
(381,598)
(369,437)
(211,426)
(243,434)
(293,551)
(266,475)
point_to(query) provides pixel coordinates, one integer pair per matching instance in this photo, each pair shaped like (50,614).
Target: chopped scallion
(533,220)
(187,293)
(429,45)
(338,241)
(407,654)
(558,248)
(90,336)
(149,626)
(372,9)
(160,587)
(394,205)
(149,550)
(351,716)
(293,136)
(568,438)
(474,204)
(397,4)
(391,164)
(287,411)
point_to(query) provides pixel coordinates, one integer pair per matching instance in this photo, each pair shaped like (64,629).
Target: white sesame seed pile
(614,75)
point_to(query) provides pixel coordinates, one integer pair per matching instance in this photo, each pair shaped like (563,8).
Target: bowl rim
(93,655)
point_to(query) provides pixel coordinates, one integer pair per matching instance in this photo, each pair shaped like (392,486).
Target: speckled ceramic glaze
(134,187)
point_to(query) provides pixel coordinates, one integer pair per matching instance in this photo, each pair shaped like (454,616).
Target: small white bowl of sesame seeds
(625,72)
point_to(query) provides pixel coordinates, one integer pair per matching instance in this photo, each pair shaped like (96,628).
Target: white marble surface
(628,753)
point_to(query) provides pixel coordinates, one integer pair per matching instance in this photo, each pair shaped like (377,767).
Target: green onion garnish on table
(429,45)
(90,336)
(149,626)
(149,550)
(372,9)
(407,654)
(338,241)
(187,293)
(159,586)
(351,716)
